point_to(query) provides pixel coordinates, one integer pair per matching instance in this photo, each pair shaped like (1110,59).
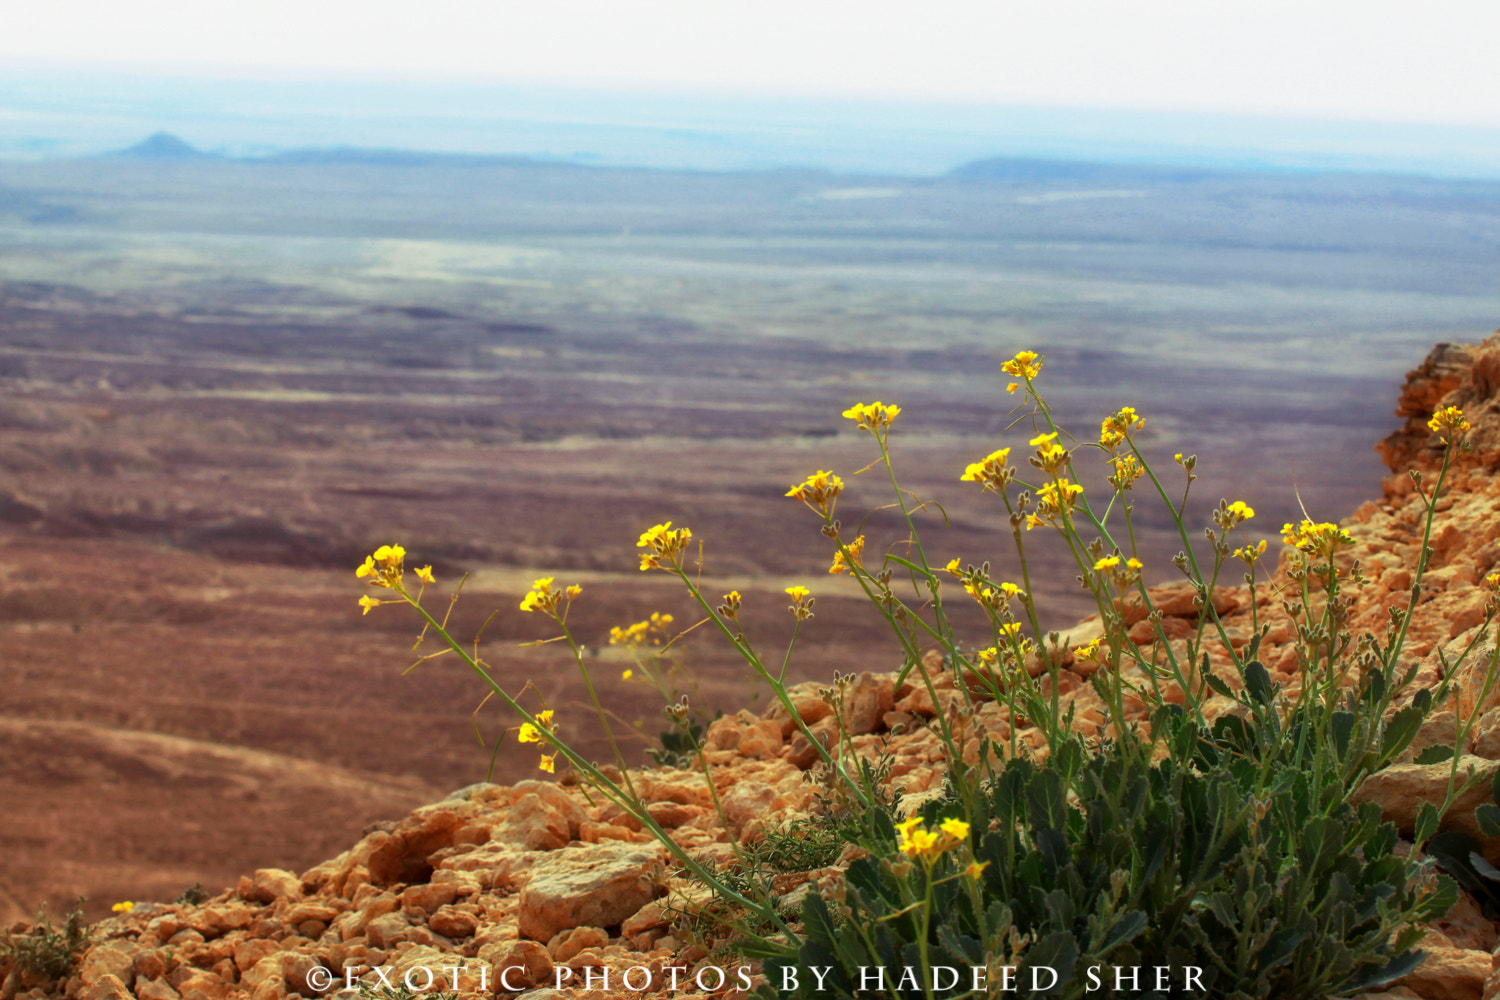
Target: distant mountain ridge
(163,146)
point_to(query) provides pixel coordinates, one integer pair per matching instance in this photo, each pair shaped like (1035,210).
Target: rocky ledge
(540,884)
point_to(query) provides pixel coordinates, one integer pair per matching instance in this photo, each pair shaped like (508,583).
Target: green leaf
(1401,729)
(1488,816)
(1258,683)
(1125,929)
(1341,728)
(1427,823)
(1398,967)
(1057,950)
(1217,683)
(1436,754)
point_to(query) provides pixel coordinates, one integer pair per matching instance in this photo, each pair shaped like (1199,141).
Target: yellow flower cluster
(1123,571)
(917,841)
(533,733)
(539,733)
(819,491)
(802,602)
(1056,498)
(1117,427)
(1026,365)
(856,551)
(1091,650)
(989,596)
(1250,553)
(978,585)
(651,630)
(1050,455)
(731,607)
(541,597)
(1449,422)
(662,542)
(1321,539)
(1127,470)
(386,568)
(873,417)
(992,471)
(124,907)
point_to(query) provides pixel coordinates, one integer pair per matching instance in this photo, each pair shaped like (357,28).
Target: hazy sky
(1376,59)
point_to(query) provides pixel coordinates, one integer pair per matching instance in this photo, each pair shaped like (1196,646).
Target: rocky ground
(534,878)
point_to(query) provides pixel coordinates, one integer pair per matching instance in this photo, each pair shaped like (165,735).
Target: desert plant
(43,954)
(1205,820)
(1097,860)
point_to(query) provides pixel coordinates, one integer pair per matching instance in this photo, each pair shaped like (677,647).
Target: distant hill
(162,146)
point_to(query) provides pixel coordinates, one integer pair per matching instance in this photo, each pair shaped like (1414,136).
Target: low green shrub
(43,954)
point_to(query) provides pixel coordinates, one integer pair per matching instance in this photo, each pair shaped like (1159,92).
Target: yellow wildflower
(954,566)
(873,417)
(1026,365)
(1050,455)
(1320,539)
(976,868)
(987,657)
(662,542)
(425,575)
(992,471)
(914,839)
(1118,427)
(1127,470)
(1108,562)
(955,828)
(548,763)
(1229,515)
(384,567)
(856,551)
(627,675)
(533,733)
(541,597)
(1449,422)
(367,602)
(1249,553)
(653,629)
(1056,498)
(819,491)
(802,602)
(124,907)
(731,607)
(1090,649)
